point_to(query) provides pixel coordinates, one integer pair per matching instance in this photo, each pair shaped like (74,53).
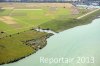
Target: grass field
(27,18)
(13,48)
(59,24)
(15,25)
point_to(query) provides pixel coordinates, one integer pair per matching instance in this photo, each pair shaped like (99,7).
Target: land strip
(59,25)
(20,45)
(88,13)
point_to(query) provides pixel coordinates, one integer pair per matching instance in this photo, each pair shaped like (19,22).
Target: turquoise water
(75,43)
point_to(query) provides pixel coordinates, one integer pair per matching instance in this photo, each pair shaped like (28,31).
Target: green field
(60,24)
(28,18)
(12,47)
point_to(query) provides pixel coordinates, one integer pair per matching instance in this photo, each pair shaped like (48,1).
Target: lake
(78,46)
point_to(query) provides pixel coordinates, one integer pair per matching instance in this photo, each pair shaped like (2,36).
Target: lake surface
(78,43)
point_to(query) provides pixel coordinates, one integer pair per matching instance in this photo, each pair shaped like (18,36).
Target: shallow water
(79,42)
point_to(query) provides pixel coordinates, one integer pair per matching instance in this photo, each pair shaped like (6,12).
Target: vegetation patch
(22,19)
(7,20)
(17,46)
(58,25)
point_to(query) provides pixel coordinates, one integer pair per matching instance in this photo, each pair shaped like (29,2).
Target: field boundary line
(28,9)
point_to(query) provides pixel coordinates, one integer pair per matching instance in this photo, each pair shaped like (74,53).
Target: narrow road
(88,13)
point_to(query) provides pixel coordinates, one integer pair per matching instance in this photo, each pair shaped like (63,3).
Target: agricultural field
(15,20)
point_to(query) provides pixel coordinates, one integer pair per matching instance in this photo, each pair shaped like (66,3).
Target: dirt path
(28,9)
(88,13)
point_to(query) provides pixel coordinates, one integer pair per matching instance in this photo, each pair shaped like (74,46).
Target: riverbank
(81,41)
(18,46)
(59,25)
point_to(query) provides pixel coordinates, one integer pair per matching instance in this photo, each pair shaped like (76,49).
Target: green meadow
(28,18)
(60,24)
(12,47)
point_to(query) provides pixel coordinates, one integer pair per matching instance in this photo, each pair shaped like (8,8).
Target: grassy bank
(58,25)
(17,46)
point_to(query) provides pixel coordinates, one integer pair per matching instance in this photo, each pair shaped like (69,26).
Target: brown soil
(7,20)
(35,5)
(73,9)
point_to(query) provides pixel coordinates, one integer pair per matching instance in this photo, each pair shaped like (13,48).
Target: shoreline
(80,17)
(87,19)
(72,22)
(35,44)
